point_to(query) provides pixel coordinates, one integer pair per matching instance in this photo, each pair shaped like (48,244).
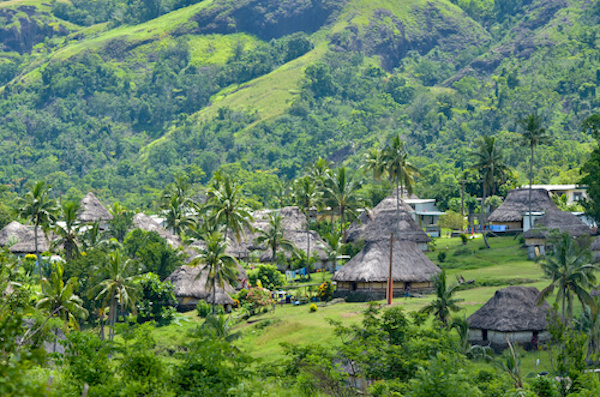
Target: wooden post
(390,279)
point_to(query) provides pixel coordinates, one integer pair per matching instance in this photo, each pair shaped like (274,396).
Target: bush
(312,308)
(464,238)
(157,300)
(325,291)
(269,276)
(452,220)
(203,309)
(441,257)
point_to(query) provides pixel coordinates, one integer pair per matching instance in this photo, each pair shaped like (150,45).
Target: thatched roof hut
(512,314)
(383,220)
(368,271)
(13,233)
(511,309)
(27,245)
(595,246)
(144,222)
(516,205)
(563,221)
(92,210)
(190,287)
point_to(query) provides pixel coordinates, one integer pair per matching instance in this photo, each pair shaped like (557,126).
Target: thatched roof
(190,281)
(371,264)
(144,222)
(92,210)
(383,219)
(13,233)
(27,245)
(511,309)
(595,246)
(563,221)
(300,241)
(516,205)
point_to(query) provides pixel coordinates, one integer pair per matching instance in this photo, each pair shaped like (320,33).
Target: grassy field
(263,334)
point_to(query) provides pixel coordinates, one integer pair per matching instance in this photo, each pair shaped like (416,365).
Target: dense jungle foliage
(92,102)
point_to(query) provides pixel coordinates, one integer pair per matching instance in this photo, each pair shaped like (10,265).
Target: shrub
(157,300)
(203,309)
(325,291)
(442,257)
(464,238)
(452,220)
(269,276)
(312,308)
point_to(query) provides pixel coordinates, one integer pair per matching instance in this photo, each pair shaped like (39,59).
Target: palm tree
(589,322)
(69,233)
(39,209)
(221,267)
(489,160)
(306,196)
(533,135)
(334,248)
(570,269)
(444,301)
(117,287)
(273,236)
(399,169)
(58,297)
(176,203)
(374,162)
(343,191)
(220,327)
(93,238)
(225,206)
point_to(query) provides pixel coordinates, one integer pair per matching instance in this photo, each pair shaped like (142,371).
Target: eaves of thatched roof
(27,245)
(92,210)
(144,222)
(13,233)
(383,220)
(516,205)
(190,281)
(595,246)
(511,309)
(371,264)
(555,219)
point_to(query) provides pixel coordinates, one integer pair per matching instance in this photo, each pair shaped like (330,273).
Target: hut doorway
(484,335)
(354,286)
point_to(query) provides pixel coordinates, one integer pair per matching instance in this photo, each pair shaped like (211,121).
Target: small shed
(516,204)
(553,219)
(511,314)
(190,287)
(365,276)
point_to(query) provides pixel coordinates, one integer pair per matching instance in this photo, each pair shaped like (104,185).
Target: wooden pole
(390,279)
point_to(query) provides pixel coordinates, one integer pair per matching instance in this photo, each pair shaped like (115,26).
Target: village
(515,281)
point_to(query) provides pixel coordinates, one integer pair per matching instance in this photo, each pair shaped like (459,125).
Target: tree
(152,252)
(221,267)
(444,301)
(225,205)
(121,223)
(569,267)
(59,297)
(343,191)
(39,209)
(221,328)
(117,286)
(489,160)
(399,169)
(177,204)
(533,135)
(591,170)
(306,197)
(69,233)
(274,237)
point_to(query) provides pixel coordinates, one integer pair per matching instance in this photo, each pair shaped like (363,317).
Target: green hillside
(118,97)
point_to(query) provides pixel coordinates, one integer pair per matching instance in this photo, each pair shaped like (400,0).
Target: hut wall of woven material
(535,242)
(510,225)
(498,339)
(516,205)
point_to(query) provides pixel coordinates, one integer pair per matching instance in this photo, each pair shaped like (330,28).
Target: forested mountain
(121,96)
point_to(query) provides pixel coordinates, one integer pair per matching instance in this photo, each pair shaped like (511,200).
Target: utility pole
(390,294)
